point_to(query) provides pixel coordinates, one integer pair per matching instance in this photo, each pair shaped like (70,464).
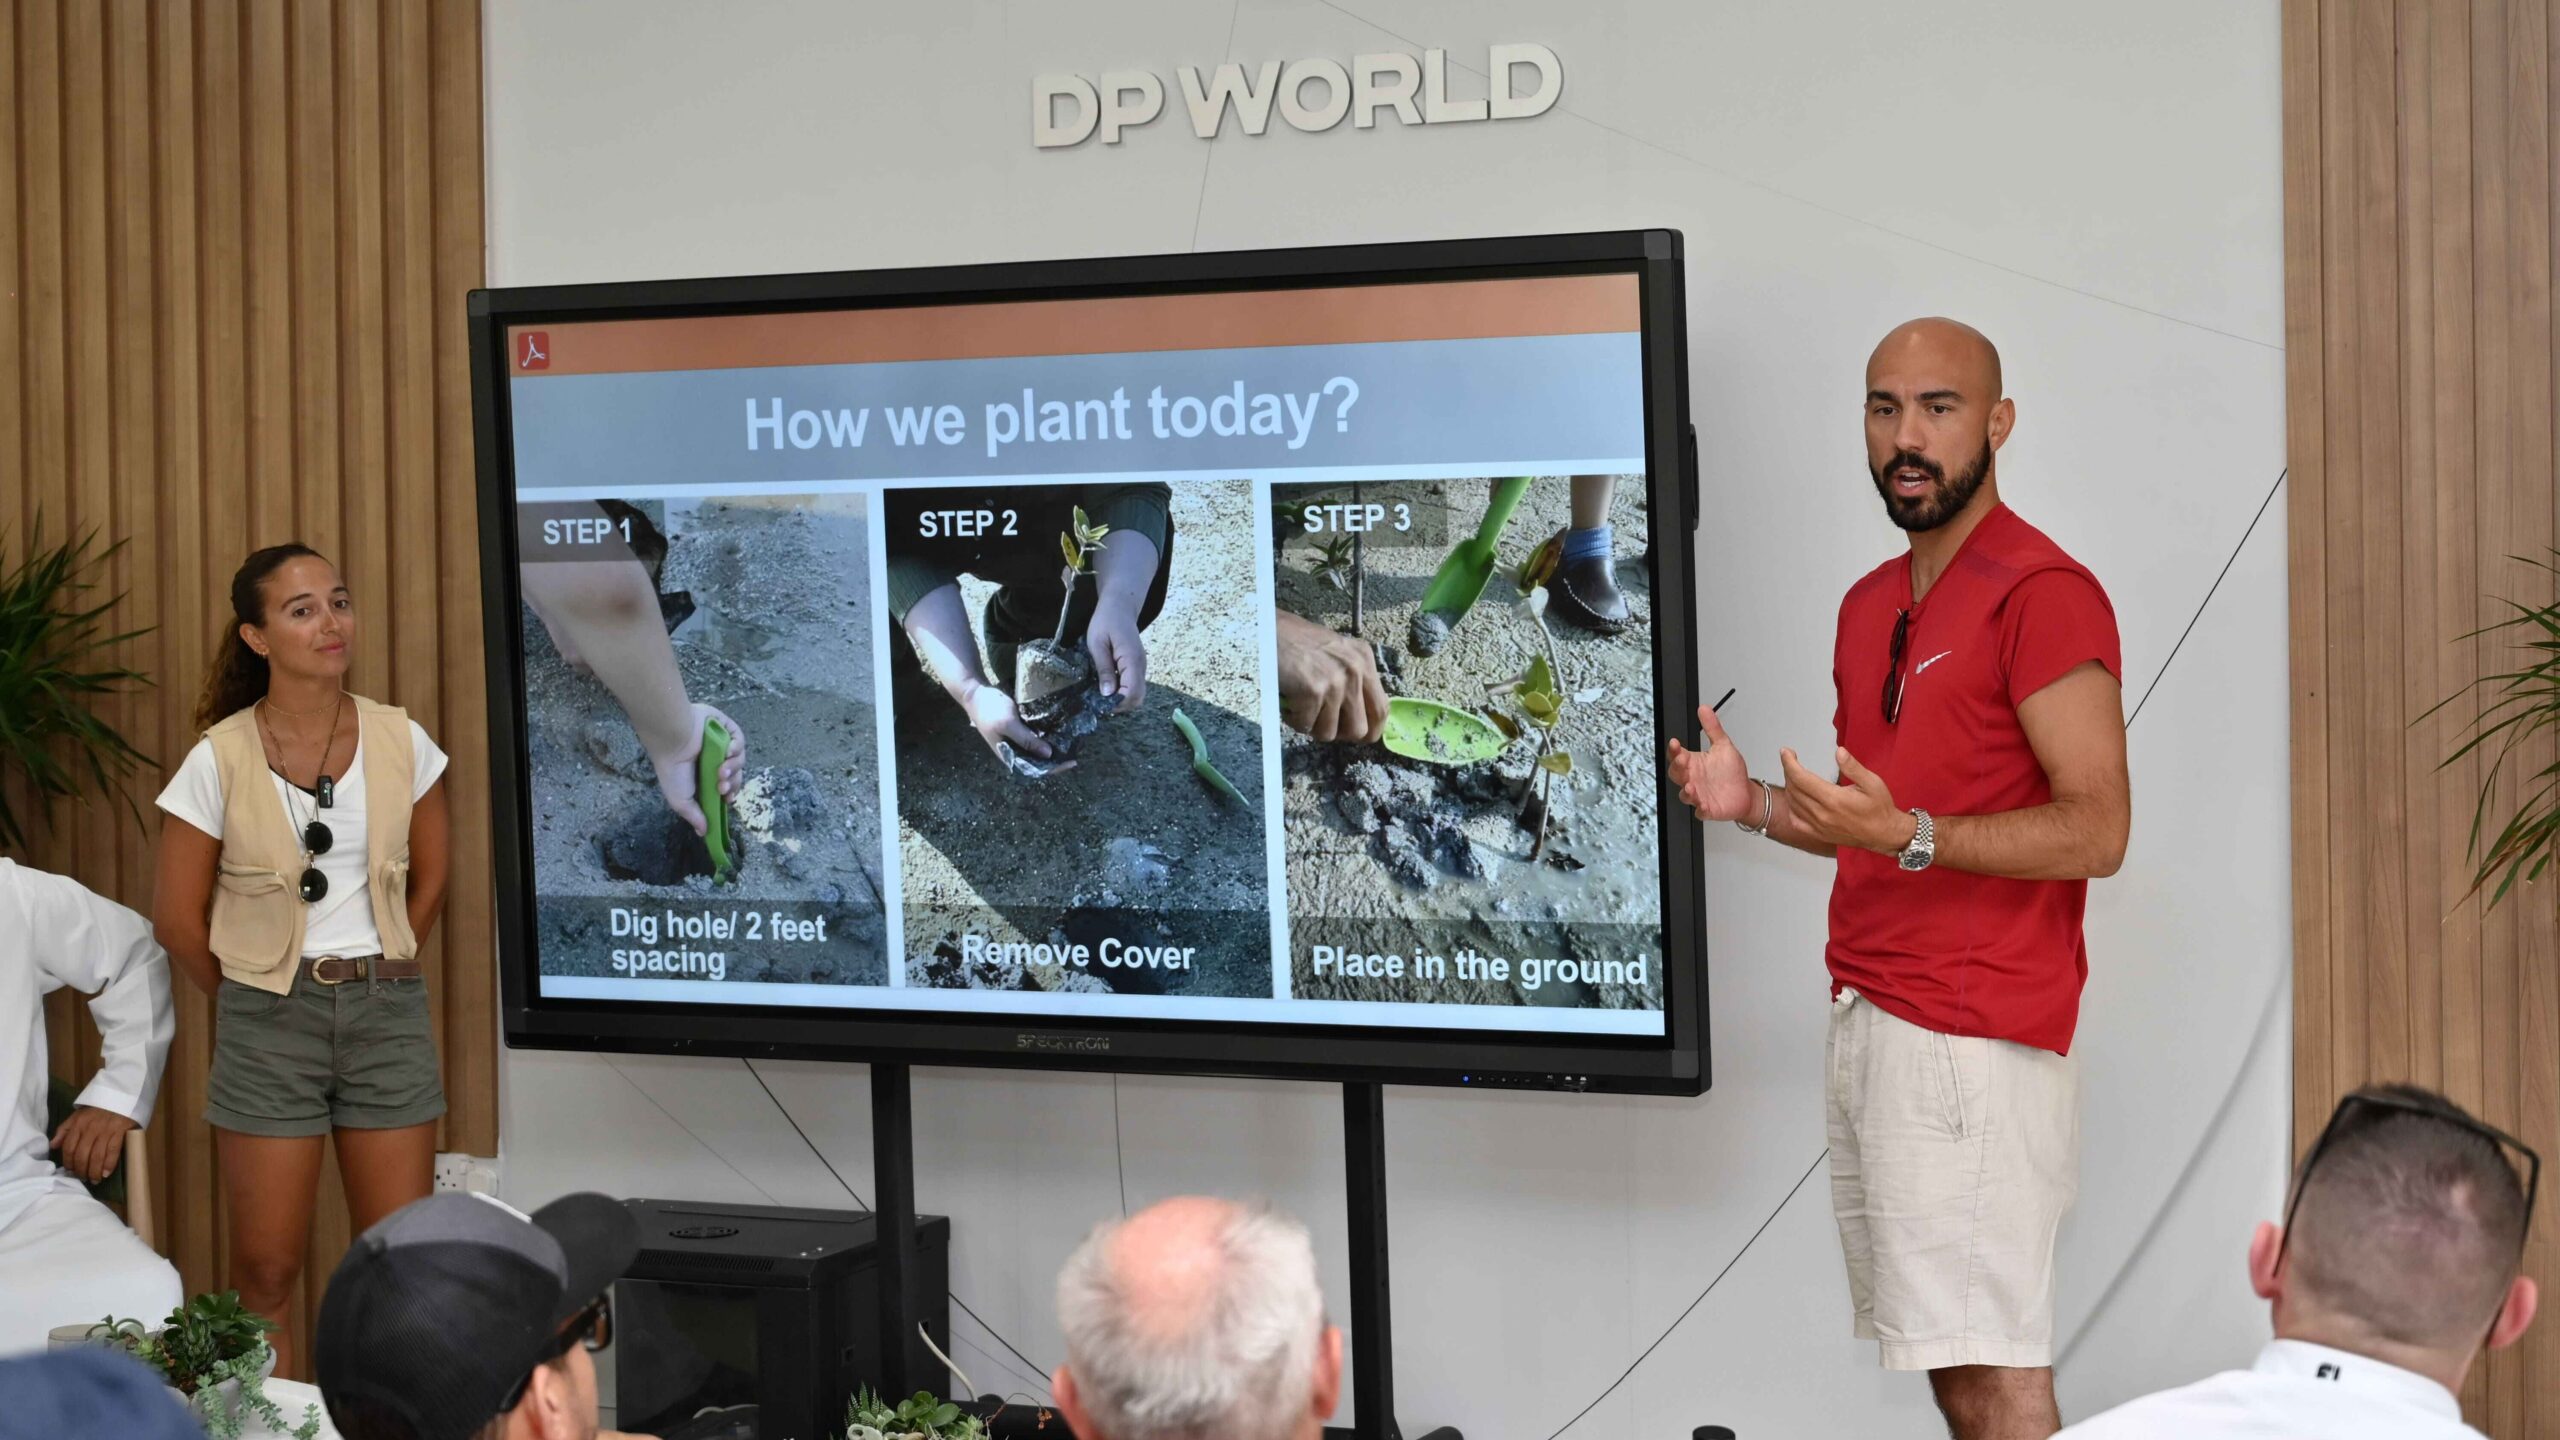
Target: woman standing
(302,859)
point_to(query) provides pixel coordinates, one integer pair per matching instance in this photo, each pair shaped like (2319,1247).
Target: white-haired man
(1193,1318)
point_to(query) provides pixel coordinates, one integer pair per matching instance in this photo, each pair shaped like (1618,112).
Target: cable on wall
(785,1112)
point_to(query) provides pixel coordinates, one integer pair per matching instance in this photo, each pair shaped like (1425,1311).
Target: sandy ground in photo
(1600,867)
(1130,827)
(781,641)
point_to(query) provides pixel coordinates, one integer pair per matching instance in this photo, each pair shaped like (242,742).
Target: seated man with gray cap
(2397,1265)
(461,1318)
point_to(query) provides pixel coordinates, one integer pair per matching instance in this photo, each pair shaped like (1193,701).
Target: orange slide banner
(1233,320)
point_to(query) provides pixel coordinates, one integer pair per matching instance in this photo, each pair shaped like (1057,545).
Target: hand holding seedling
(1714,781)
(676,780)
(1856,810)
(991,713)
(1123,565)
(1119,654)
(1329,687)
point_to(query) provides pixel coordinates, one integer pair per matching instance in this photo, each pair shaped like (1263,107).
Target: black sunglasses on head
(2409,1105)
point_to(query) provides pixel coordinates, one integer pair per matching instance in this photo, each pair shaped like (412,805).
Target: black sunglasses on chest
(316,839)
(1893,675)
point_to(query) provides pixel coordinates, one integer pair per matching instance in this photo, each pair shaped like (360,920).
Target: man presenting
(1981,785)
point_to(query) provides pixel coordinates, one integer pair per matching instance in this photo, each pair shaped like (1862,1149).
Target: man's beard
(1941,502)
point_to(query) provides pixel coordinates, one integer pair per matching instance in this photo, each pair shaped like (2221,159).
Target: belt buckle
(327,960)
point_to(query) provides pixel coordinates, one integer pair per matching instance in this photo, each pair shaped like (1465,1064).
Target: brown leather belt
(339,969)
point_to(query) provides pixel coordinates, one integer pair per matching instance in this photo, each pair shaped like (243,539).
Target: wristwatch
(1923,848)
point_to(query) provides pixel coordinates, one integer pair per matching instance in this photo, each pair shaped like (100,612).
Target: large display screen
(1187,664)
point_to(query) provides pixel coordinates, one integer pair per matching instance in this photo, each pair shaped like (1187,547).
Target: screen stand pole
(893,1178)
(1372,1342)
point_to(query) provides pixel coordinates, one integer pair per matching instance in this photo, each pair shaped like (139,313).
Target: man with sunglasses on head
(2396,1266)
(460,1318)
(1980,785)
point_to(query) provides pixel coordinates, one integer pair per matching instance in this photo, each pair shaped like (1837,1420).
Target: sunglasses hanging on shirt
(1893,677)
(317,838)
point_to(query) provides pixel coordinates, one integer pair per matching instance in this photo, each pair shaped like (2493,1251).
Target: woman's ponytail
(238,678)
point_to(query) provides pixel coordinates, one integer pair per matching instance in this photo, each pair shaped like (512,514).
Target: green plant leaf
(52,637)
(1556,762)
(1539,680)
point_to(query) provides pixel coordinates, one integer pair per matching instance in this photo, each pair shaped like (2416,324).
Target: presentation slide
(1268,656)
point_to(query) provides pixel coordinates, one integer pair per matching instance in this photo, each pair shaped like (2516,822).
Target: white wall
(2096,187)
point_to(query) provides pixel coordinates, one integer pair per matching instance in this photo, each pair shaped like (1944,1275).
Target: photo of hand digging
(659,829)
(1075,677)
(1470,798)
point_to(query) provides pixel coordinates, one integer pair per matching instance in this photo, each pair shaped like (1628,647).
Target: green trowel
(715,807)
(1438,734)
(1461,577)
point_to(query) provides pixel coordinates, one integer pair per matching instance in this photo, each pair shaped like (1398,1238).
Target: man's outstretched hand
(1857,810)
(1714,782)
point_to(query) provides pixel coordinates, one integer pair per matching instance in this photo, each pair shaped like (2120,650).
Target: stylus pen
(1718,707)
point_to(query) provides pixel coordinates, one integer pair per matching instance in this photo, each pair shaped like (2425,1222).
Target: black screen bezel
(1676,1063)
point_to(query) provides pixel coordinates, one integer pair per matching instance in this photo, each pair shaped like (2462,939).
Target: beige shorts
(1953,1159)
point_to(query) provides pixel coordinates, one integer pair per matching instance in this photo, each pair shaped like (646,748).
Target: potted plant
(922,1416)
(213,1352)
(52,640)
(2515,705)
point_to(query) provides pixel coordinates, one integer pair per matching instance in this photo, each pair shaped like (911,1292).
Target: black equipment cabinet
(770,1306)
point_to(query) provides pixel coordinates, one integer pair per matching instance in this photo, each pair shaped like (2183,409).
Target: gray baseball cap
(438,1312)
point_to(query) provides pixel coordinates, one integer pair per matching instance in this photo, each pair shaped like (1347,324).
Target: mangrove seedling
(1542,704)
(1333,560)
(1078,543)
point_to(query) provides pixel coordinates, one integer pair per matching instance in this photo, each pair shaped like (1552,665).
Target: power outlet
(466,1174)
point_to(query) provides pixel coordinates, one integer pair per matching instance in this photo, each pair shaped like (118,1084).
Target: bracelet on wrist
(1768,811)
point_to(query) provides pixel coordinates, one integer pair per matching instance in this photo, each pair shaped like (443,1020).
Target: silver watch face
(1923,847)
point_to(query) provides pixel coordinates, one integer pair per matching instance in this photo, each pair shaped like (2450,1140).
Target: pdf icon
(533,350)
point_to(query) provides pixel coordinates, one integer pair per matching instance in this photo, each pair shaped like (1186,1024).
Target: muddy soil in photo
(1130,843)
(771,602)
(1391,854)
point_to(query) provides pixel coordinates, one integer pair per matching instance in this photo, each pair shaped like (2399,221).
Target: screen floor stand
(893,1171)
(1372,1340)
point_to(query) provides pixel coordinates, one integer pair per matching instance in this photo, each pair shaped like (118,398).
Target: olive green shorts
(361,1055)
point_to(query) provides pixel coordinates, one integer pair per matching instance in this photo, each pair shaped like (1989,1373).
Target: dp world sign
(1311,95)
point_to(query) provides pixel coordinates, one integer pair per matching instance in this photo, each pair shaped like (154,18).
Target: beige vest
(257,903)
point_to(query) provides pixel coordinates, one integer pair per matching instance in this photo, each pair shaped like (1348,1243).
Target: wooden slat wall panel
(2420,256)
(236,238)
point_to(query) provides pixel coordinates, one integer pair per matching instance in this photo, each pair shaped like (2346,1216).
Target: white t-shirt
(342,923)
(2296,1391)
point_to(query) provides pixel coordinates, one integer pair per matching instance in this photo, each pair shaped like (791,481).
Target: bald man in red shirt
(1980,785)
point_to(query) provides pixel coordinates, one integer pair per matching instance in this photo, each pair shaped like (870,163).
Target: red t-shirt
(1958,953)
